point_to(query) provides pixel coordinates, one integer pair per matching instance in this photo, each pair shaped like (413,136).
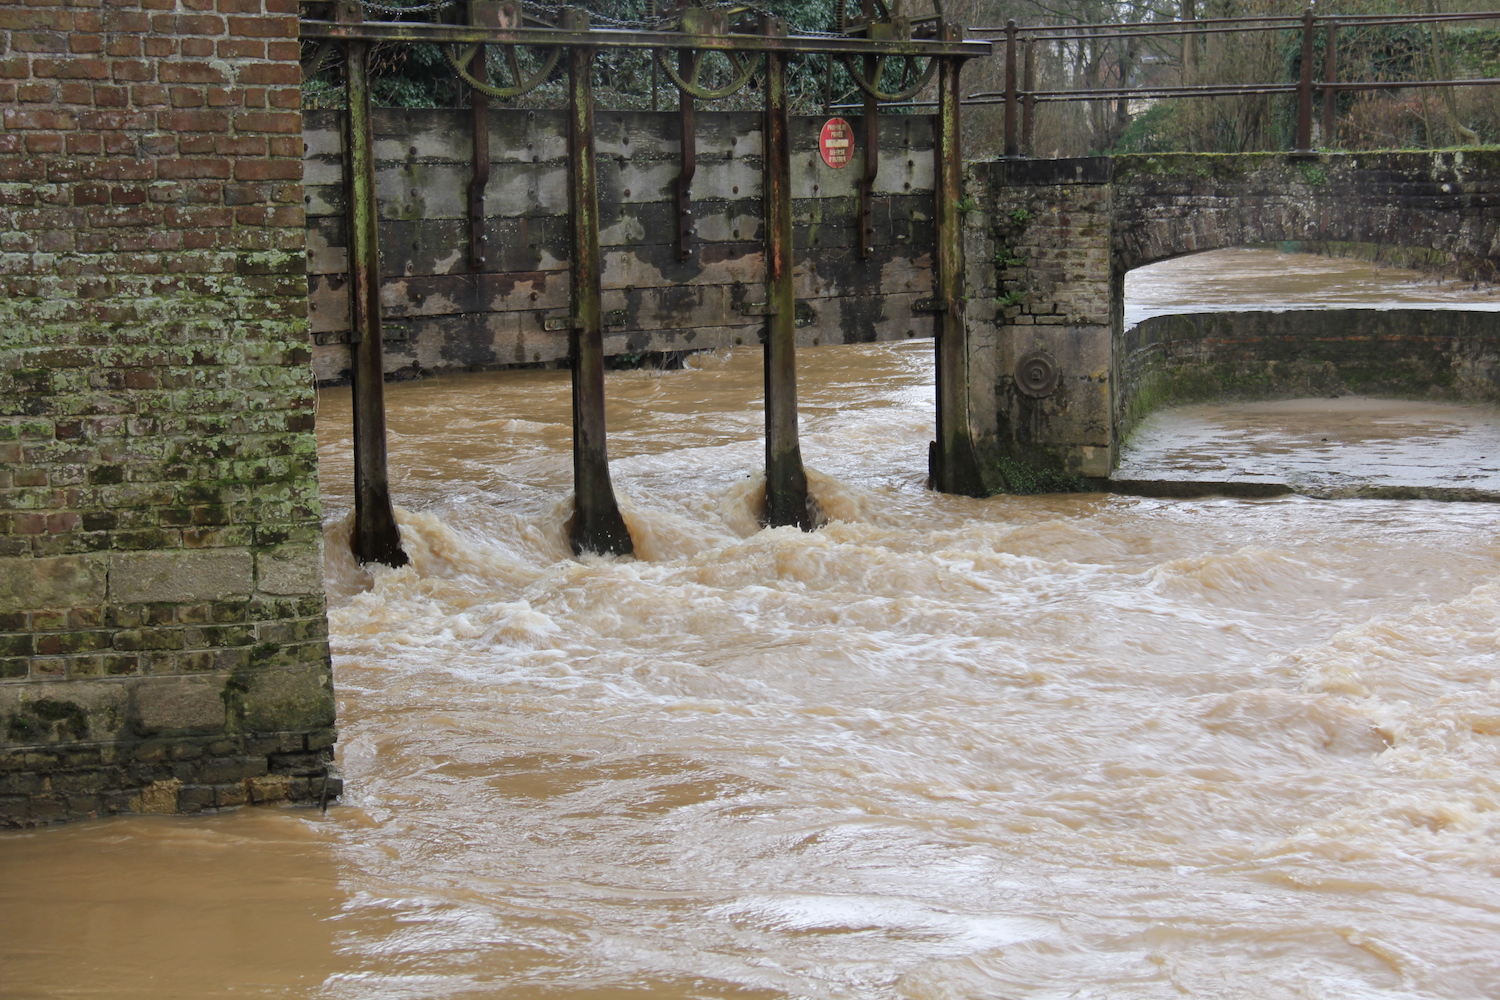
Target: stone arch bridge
(1056,382)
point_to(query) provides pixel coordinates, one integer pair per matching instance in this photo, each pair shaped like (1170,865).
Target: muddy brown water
(1066,746)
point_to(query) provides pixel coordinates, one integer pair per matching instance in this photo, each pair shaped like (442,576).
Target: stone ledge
(182,775)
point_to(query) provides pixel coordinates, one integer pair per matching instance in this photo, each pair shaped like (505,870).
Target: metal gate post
(786,481)
(596,524)
(952,465)
(1304,86)
(375,537)
(1330,95)
(687,120)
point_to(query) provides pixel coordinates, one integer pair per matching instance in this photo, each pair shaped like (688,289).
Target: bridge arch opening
(1232,359)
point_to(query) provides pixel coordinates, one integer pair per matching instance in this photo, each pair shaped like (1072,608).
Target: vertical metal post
(1189,46)
(596,525)
(1304,86)
(787,501)
(688,131)
(1331,96)
(1028,102)
(375,537)
(952,465)
(480,105)
(1011,146)
(871,128)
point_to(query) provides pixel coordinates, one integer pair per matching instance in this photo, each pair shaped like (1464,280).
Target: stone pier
(162,637)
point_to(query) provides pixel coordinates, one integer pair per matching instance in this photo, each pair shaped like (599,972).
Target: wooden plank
(423,189)
(456,343)
(837,274)
(532,243)
(519,136)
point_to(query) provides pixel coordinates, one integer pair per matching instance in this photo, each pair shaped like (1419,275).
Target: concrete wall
(1404,353)
(162,637)
(1052,241)
(439,315)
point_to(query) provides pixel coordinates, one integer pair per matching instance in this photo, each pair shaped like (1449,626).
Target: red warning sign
(836,143)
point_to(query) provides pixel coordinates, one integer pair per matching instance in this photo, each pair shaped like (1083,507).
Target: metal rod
(480,106)
(1281,22)
(687,120)
(1304,85)
(1330,95)
(1189,44)
(419,31)
(952,467)
(596,525)
(1028,100)
(1012,148)
(871,127)
(1208,90)
(787,501)
(375,537)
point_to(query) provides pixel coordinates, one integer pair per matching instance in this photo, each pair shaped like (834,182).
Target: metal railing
(1021,93)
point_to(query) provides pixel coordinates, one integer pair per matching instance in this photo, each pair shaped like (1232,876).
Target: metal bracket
(553,323)
(616,317)
(757,309)
(931,305)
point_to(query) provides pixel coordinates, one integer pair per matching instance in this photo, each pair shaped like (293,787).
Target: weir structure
(162,630)
(744,39)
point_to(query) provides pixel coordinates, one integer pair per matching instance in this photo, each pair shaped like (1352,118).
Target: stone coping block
(180,576)
(27,584)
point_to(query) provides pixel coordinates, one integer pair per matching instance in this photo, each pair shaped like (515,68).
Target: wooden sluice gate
(753,50)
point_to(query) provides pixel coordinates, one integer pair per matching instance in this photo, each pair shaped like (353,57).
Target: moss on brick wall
(159,516)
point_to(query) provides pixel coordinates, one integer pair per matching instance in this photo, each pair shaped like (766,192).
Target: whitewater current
(1022,748)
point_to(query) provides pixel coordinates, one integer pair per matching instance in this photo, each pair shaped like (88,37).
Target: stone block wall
(162,635)
(1174,360)
(1040,252)
(438,313)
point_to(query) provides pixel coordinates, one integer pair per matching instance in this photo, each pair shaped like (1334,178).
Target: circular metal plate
(1036,373)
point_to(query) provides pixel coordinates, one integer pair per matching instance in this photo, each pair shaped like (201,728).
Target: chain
(659,24)
(386,8)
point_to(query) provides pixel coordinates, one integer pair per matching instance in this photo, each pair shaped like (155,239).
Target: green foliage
(1159,130)
(1020,217)
(968,203)
(1312,174)
(1025,480)
(1012,298)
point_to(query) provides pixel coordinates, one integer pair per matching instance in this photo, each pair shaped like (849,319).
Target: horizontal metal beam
(1209,90)
(412,31)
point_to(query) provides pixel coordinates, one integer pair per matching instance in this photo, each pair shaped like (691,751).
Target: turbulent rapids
(1063,746)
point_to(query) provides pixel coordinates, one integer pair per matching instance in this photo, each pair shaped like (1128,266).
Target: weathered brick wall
(162,637)
(439,314)
(1054,238)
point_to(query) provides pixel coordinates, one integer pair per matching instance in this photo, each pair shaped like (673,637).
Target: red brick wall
(160,585)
